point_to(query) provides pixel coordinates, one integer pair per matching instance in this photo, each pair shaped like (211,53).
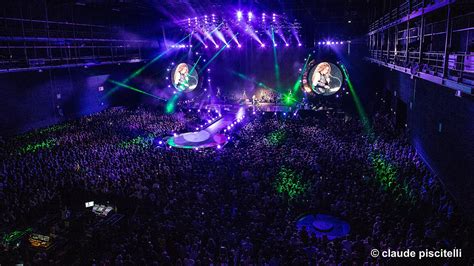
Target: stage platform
(261,107)
(205,138)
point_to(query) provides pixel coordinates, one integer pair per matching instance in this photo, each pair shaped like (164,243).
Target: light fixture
(239,15)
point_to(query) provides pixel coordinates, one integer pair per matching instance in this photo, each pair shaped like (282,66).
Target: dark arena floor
(204,133)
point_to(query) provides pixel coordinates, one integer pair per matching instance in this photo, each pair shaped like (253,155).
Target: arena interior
(249,132)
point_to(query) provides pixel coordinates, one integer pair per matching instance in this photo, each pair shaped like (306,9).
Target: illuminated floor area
(324,225)
(206,138)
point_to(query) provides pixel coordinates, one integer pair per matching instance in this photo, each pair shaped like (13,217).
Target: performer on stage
(321,78)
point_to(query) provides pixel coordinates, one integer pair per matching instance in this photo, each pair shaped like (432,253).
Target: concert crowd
(221,206)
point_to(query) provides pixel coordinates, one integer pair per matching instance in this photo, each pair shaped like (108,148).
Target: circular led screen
(324,79)
(185,78)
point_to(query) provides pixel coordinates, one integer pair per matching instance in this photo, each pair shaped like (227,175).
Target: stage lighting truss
(246,24)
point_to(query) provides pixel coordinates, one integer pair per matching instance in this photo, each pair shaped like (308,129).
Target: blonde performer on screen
(321,78)
(181,76)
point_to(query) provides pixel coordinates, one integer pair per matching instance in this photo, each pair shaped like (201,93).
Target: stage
(261,107)
(205,138)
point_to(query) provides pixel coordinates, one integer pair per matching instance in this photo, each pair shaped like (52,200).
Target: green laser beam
(277,67)
(171,104)
(140,70)
(289,99)
(122,85)
(194,66)
(297,84)
(386,173)
(261,84)
(360,109)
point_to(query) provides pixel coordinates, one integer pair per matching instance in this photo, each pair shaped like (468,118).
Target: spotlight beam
(123,85)
(209,34)
(217,54)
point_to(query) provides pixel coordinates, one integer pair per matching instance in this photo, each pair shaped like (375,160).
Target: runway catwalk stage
(209,137)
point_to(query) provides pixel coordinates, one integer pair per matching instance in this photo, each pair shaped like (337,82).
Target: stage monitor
(185,77)
(323,78)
